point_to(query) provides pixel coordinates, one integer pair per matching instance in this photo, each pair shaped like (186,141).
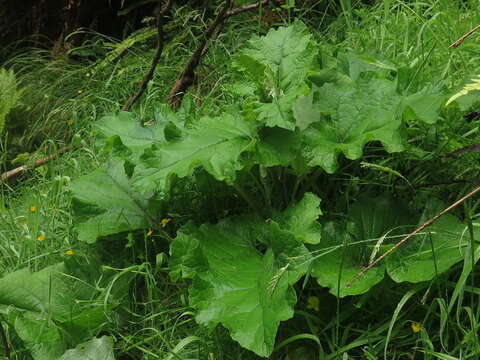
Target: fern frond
(474,86)
(9,95)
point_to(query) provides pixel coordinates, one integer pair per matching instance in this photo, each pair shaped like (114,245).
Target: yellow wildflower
(150,232)
(70,122)
(79,92)
(313,302)
(416,327)
(41,238)
(69,252)
(33,208)
(165,222)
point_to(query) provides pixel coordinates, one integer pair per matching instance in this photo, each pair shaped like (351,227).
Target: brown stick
(7,175)
(185,80)
(462,39)
(246,8)
(156,57)
(457,153)
(412,234)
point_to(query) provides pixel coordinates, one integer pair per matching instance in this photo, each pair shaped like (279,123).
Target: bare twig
(187,76)
(246,8)
(457,153)
(412,234)
(462,39)
(156,57)
(11,173)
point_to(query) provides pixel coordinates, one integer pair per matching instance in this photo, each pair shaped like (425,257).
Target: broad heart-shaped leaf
(216,144)
(344,251)
(127,127)
(434,251)
(59,305)
(234,284)
(95,349)
(346,116)
(301,219)
(105,203)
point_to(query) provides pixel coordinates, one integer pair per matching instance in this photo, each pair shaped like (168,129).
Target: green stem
(250,201)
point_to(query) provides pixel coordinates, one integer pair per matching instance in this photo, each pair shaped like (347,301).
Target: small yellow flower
(70,122)
(41,238)
(79,92)
(416,327)
(165,222)
(150,232)
(313,303)
(69,252)
(33,208)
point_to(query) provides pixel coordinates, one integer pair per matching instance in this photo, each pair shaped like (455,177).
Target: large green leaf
(216,144)
(277,65)
(39,334)
(95,349)
(345,116)
(57,306)
(301,219)
(105,203)
(279,111)
(424,105)
(247,291)
(281,59)
(127,127)
(345,250)
(431,253)
(338,259)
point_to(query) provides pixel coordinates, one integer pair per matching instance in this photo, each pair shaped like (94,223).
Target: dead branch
(11,173)
(463,37)
(412,234)
(457,153)
(246,8)
(156,57)
(185,80)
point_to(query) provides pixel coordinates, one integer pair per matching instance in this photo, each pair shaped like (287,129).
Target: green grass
(157,321)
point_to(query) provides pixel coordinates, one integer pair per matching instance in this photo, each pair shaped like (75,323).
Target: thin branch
(11,173)
(457,153)
(243,8)
(462,39)
(412,234)
(187,76)
(155,59)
